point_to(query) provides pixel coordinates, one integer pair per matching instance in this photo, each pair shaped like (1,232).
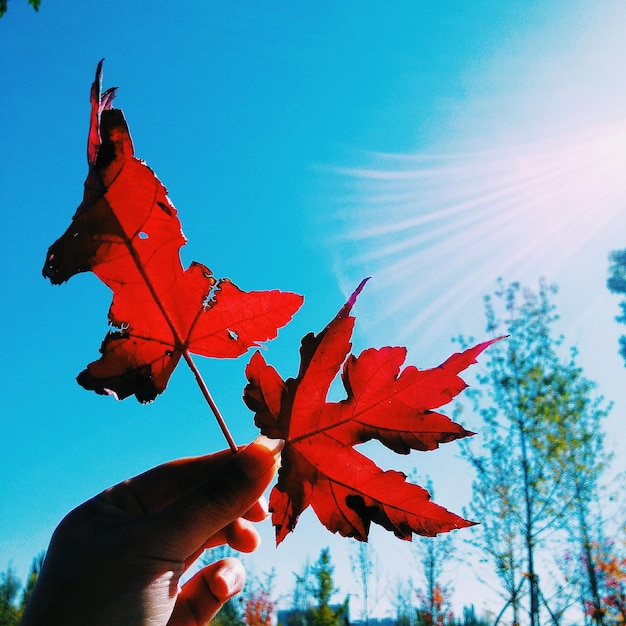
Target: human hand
(118,558)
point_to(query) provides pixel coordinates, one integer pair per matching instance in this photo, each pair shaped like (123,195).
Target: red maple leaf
(320,467)
(127,232)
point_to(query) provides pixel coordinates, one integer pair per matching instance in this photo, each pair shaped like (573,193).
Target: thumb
(227,494)
(207,591)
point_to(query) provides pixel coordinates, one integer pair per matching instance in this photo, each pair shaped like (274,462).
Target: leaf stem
(178,341)
(207,396)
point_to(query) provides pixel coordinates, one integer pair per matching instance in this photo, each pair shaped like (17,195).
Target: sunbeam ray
(438,230)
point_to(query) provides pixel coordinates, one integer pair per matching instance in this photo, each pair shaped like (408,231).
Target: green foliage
(312,596)
(11,610)
(230,614)
(616,283)
(33,3)
(323,572)
(323,614)
(543,445)
(10,586)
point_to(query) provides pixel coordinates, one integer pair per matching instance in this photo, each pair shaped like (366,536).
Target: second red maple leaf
(320,466)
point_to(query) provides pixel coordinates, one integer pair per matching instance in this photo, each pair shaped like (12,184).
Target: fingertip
(261,456)
(227,579)
(243,536)
(205,593)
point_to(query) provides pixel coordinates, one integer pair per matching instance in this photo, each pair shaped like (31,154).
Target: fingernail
(273,445)
(230,579)
(255,460)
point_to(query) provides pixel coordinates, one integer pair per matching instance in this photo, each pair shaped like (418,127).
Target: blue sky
(433,146)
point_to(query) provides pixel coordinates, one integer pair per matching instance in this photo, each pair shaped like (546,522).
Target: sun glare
(436,231)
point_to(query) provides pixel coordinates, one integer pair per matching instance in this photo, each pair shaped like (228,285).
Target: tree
(313,591)
(364,563)
(543,451)
(33,574)
(611,570)
(259,609)
(323,614)
(433,552)
(302,599)
(609,564)
(616,283)
(436,609)
(11,610)
(10,586)
(498,534)
(404,602)
(33,3)
(471,619)
(303,590)
(576,460)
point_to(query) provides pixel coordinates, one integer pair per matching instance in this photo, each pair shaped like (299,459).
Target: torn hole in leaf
(210,299)
(143,235)
(119,329)
(232,334)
